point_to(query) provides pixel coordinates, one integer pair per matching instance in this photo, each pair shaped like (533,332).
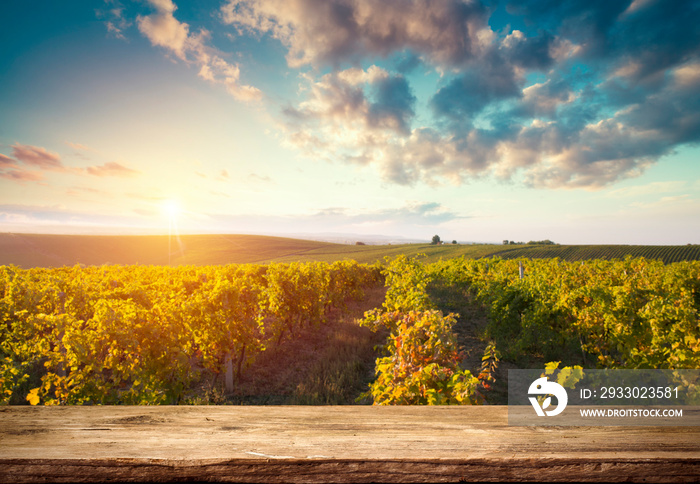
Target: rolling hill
(34,250)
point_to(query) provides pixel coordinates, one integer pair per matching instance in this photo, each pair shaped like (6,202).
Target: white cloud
(328,32)
(164,30)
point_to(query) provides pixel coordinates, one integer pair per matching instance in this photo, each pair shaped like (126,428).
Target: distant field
(31,250)
(667,253)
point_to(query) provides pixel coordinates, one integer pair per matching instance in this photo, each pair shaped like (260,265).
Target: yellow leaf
(33,397)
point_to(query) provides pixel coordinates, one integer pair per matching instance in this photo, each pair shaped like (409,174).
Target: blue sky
(573,121)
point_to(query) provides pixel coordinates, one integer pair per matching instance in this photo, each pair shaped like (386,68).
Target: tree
(454,242)
(436,240)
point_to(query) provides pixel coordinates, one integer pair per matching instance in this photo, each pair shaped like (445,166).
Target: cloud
(419,215)
(430,156)
(36,156)
(621,32)
(78,146)
(114,29)
(45,160)
(81,150)
(543,99)
(393,105)
(407,63)
(448,32)
(414,214)
(530,52)
(111,168)
(575,148)
(13,169)
(22,175)
(58,219)
(164,30)
(116,23)
(581,101)
(349,113)
(6,161)
(364,117)
(259,178)
(583,22)
(582,95)
(463,98)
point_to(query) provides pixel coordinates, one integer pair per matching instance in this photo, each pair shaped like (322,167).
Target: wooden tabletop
(329,444)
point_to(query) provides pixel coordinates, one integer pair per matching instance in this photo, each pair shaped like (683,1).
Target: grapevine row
(135,335)
(668,254)
(632,313)
(422,359)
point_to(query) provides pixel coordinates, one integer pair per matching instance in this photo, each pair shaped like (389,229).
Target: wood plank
(329,444)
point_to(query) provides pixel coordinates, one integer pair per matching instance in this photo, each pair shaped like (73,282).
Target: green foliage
(633,313)
(148,335)
(422,362)
(567,376)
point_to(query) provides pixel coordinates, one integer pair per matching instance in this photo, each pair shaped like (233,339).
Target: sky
(479,121)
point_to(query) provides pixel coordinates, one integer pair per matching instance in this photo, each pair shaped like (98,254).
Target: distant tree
(505,242)
(436,240)
(359,243)
(454,242)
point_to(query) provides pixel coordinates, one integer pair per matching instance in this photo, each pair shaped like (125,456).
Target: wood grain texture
(329,444)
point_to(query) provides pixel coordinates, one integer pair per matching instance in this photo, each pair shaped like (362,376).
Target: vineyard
(571,253)
(150,335)
(631,314)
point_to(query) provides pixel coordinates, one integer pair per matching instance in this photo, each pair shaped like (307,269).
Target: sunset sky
(574,121)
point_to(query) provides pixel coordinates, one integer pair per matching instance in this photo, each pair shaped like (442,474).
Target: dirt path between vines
(327,364)
(470,328)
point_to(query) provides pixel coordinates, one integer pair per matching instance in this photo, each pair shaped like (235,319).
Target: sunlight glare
(170,208)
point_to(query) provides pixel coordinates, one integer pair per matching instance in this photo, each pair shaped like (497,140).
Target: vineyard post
(229,373)
(61,371)
(521,269)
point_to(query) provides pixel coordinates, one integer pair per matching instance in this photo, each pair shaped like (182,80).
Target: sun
(170,208)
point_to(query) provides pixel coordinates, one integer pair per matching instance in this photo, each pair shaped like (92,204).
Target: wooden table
(329,444)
